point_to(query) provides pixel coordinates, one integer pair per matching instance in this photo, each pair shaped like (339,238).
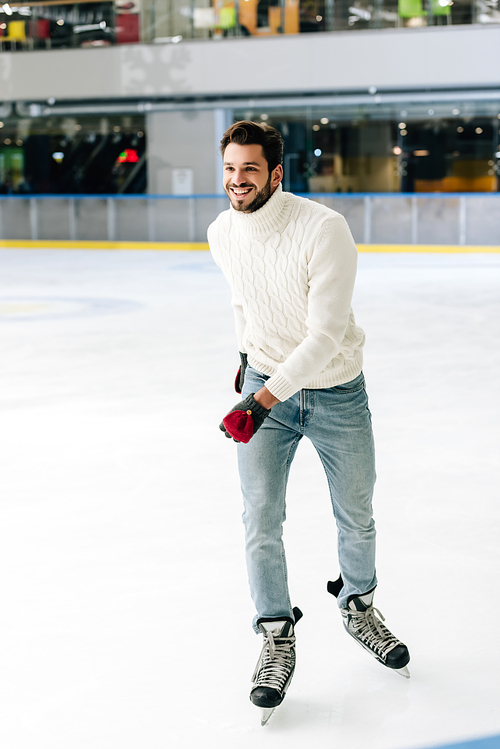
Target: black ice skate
(364,623)
(274,670)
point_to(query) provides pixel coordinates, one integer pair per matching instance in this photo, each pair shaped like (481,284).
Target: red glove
(244,419)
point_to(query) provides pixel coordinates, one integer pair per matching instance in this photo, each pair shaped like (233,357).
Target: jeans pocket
(351,387)
(254,380)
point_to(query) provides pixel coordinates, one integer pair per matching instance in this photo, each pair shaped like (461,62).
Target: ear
(276,176)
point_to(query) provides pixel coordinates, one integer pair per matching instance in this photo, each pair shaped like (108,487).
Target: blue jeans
(338,423)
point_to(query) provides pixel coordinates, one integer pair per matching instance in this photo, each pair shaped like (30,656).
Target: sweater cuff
(280,387)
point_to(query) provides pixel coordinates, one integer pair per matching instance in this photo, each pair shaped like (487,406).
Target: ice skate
(364,623)
(274,670)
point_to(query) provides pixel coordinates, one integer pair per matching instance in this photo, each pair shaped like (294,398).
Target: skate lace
(276,661)
(369,629)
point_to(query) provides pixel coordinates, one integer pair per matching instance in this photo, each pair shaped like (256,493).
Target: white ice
(124,609)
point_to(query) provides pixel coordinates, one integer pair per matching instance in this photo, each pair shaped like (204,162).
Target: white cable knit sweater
(291,266)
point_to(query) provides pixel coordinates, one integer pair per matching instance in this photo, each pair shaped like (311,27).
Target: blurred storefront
(73,155)
(48,24)
(408,147)
(447,147)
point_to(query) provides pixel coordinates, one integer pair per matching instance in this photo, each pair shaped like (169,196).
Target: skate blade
(266,714)
(404,672)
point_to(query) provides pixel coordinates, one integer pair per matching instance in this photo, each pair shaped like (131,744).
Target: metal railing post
(111,219)
(72,218)
(192,219)
(462,221)
(34,218)
(414,220)
(367,232)
(150,208)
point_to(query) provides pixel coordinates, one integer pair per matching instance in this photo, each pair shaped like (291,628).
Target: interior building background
(131,98)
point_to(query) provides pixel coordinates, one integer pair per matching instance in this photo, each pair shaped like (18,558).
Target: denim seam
(332,502)
(283,556)
(306,414)
(312,403)
(329,483)
(367,405)
(339,600)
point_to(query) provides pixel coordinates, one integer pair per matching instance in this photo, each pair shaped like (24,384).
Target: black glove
(244,419)
(240,376)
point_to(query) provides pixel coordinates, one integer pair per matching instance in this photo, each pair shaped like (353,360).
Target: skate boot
(364,623)
(274,670)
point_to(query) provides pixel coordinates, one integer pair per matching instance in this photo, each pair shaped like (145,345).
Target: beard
(261,197)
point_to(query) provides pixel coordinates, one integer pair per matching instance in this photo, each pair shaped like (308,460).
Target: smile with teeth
(240,192)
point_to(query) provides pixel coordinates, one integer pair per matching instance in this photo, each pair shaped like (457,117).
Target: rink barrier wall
(180,221)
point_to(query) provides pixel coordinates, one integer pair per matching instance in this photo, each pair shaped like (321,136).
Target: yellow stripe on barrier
(429,248)
(63,244)
(82,244)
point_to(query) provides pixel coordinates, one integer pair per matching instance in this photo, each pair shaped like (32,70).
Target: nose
(239,177)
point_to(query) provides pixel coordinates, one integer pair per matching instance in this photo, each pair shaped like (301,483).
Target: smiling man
(291,266)
(250,183)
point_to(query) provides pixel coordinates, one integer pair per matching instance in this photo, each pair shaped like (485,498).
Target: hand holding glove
(244,419)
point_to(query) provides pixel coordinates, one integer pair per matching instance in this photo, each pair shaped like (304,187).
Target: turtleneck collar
(273,216)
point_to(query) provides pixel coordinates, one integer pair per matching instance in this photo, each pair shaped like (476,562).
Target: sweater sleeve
(213,244)
(240,324)
(239,317)
(331,275)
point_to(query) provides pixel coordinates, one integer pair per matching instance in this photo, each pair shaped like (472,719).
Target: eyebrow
(245,163)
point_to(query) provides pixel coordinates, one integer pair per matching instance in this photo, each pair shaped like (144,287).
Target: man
(291,265)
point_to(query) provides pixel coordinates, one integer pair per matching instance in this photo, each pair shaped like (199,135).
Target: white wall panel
(180,140)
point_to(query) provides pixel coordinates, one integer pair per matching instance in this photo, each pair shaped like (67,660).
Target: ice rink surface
(124,610)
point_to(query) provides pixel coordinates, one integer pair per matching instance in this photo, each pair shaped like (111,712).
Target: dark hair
(246,133)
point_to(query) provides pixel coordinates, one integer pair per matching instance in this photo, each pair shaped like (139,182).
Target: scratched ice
(125,616)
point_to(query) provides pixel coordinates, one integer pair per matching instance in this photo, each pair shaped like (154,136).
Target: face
(247,180)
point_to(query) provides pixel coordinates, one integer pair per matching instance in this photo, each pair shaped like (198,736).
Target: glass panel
(171,220)
(53,219)
(16,219)
(73,154)
(444,147)
(391,221)
(438,221)
(353,209)
(410,147)
(91,219)
(482,221)
(131,217)
(207,210)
